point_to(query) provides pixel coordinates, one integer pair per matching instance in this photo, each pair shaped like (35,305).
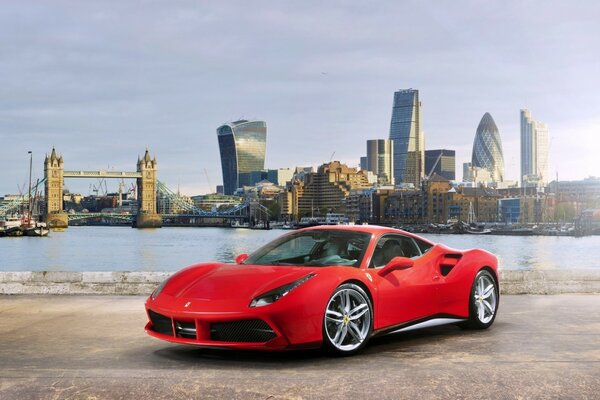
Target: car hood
(231,282)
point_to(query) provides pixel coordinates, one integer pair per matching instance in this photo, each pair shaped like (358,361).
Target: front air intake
(251,330)
(160,323)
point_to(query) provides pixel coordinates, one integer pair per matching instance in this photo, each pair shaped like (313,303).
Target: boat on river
(15,226)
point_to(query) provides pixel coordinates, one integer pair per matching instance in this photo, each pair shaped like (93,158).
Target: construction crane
(121,190)
(94,189)
(331,158)
(208,180)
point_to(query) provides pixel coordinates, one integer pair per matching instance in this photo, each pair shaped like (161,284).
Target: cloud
(102,80)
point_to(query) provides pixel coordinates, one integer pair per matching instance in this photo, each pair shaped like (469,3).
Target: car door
(403,295)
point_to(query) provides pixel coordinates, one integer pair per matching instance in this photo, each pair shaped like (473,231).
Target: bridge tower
(147,216)
(54,173)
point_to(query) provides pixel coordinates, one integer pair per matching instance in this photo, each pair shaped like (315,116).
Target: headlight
(273,295)
(159,289)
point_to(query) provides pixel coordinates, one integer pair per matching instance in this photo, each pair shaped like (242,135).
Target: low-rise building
(320,192)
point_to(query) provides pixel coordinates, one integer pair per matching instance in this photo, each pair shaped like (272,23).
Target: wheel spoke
(480,311)
(357,316)
(480,287)
(488,291)
(342,336)
(338,333)
(488,306)
(348,302)
(334,313)
(357,309)
(355,332)
(342,302)
(336,320)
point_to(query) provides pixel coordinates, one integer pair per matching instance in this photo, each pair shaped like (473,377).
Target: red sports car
(335,286)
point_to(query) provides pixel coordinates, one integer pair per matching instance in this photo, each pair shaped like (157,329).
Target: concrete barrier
(143,283)
(550,282)
(61,282)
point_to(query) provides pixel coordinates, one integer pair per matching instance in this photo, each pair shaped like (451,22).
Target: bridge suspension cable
(183,205)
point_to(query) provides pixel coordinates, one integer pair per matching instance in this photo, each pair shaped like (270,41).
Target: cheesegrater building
(243,146)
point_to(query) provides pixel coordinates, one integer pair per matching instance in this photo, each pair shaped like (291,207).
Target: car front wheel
(348,320)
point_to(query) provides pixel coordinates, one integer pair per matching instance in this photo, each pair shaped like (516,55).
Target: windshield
(314,248)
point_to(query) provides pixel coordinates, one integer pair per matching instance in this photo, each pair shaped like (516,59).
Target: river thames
(169,249)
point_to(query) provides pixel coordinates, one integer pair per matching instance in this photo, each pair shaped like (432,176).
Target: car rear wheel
(483,301)
(348,320)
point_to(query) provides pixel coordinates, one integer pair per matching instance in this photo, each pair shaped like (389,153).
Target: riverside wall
(143,283)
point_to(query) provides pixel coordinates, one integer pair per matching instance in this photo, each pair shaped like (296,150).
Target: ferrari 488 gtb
(334,286)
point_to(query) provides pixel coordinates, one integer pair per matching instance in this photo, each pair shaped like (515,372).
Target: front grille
(185,330)
(160,323)
(251,330)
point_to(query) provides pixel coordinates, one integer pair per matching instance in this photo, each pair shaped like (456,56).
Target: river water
(169,249)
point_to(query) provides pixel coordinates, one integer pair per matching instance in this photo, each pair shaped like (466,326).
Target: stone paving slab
(94,347)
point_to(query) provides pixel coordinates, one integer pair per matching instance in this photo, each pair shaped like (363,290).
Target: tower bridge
(148,190)
(55,174)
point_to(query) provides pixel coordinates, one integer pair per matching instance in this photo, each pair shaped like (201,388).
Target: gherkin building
(487,148)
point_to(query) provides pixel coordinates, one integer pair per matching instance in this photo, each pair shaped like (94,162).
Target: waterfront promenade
(94,347)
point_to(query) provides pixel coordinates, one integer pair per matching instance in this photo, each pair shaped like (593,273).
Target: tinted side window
(391,246)
(423,246)
(409,248)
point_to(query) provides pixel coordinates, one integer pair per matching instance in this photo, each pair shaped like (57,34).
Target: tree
(564,212)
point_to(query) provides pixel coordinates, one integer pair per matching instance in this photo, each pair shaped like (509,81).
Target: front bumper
(233,330)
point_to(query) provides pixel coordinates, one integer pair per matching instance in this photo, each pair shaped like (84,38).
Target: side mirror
(241,258)
(396,263)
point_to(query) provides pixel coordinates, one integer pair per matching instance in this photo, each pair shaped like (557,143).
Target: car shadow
(402,342)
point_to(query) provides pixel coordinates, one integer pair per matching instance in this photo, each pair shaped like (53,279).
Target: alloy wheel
(348,318)
(485,298)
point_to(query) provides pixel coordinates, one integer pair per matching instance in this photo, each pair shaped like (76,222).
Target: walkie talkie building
(243,146)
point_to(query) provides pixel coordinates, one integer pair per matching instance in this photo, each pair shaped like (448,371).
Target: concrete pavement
(94,347)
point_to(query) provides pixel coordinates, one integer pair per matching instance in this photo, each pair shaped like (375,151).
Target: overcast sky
(102,81)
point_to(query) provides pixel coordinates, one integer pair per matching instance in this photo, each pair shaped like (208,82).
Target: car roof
(373,229)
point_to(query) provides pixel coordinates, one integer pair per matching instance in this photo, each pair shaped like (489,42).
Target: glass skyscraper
(243,146)
(534,151)
(409,140)
(487,148)
(441,162)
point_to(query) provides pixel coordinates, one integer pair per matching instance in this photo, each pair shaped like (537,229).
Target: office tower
(487,148)
(280,176)
(243,147)
(441,162)
(409,140)
(363,163)
(380,160)
(534,151)
(467,172)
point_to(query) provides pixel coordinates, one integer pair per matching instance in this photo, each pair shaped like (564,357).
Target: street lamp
(29,194)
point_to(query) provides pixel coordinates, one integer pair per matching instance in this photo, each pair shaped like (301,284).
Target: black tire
(481,303)
(347,329)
